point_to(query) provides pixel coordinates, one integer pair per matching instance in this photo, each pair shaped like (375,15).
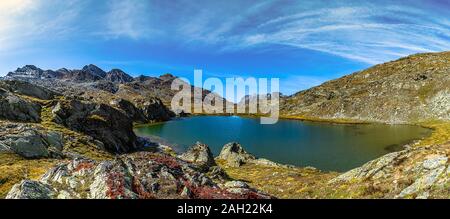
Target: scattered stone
(236,184)
(217,173)
(138,175)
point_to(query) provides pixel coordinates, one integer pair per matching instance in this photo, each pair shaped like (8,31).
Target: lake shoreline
(389,147)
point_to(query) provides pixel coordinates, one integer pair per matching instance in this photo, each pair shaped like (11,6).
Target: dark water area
(334,147)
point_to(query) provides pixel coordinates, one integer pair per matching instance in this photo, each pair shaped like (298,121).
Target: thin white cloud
(23,22)
(128,18)
(354,33)
(361,31)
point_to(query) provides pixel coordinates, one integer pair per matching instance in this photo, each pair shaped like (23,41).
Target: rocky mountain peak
(94,70)
(167,77)
(28,71)
(28,67)
(117,75)
(63,70)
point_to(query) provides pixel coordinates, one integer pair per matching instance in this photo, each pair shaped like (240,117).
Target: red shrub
(116,185)
(84,165)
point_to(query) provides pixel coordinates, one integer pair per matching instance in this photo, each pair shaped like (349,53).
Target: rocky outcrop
(28,89)
(100,121)
(411,173)
(199,154)
(129,110)
(28,189)
(155,110)
(13,107)
(30,141)
(235,155)
(142,175)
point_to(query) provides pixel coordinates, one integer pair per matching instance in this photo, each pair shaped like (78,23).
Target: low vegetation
(14,168)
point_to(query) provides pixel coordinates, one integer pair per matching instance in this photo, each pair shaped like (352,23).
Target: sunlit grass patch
(14,169)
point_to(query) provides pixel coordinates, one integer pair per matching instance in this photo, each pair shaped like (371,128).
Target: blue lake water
(336,147)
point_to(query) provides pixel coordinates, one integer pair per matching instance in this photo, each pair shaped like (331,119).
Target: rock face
(142,175)
(235,155)
(28,189)
(16,108)
(99,121)
(199,154)
(30,141)
(412,89)
(129,110)
(154,110)
(25,88)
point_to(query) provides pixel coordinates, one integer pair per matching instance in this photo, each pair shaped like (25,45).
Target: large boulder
(100,121)
(199,154)
(27,89)
(13,107)
(235,155)
(30,142)
(141,175)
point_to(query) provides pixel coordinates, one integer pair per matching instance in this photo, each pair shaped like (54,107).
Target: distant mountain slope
(412,89)
(92,83)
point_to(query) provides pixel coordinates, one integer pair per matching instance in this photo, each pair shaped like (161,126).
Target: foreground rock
(142,175)
(199,154)
(235,155)
(28,189)
(30,141)
(13,107)
(100,121)
(412,173)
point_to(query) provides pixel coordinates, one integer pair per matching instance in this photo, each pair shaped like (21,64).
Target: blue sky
(302,42)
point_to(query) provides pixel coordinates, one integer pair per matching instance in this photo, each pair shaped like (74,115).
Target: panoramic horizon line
(135,75)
